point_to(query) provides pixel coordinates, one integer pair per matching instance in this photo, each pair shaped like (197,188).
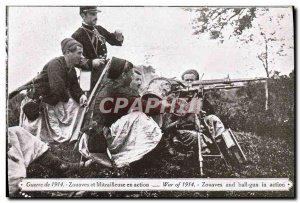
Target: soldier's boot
(54,163)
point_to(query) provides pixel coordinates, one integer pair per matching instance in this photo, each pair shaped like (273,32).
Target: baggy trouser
(188,139)
(128,139)
(25,148)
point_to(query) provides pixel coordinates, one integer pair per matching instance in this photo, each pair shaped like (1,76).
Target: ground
(268,156)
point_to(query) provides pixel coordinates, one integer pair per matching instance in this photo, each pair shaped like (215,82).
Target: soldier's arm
(111,38)
(56,82)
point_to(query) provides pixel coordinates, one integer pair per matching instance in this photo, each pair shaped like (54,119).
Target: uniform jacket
(86,35)
(59,83)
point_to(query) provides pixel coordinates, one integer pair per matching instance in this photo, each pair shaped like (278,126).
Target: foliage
(266,28)
(215,21)
(245,24)
(243,109)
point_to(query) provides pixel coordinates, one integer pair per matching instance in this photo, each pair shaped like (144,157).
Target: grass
(268,157)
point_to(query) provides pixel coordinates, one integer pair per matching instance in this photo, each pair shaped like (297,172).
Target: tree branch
(235,15)
(219,13)
(262,60)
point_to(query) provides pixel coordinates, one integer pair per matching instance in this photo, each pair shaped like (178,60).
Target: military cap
(67,43)
(191,71)
(117,67)
(90,9)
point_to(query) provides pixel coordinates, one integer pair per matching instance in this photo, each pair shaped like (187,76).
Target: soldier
(23,149)
(93,38)
(189,137)
(128,135)
(60,77)
(192,75)
(58,91)
(137,81)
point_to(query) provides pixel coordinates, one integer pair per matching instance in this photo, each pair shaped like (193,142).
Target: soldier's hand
(203,113)
(98,62)
(119,35)
(83,100)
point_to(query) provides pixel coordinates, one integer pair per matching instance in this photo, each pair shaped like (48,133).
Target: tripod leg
(212,137)
(200,155)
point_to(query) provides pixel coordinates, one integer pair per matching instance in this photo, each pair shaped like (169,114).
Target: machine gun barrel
(207,85)
(225,81)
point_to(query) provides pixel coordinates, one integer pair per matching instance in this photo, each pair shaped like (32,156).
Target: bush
(244,109)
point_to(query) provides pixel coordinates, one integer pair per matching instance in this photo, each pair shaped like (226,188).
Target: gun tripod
(212,137)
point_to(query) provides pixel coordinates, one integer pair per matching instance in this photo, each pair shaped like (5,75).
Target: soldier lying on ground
(24,149)
(57,95)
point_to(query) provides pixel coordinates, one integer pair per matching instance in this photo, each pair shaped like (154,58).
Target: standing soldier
(93,38)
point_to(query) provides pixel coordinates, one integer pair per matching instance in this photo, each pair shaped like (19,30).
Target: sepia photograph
(150,102)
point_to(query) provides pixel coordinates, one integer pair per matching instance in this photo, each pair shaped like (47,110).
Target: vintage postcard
(150,102)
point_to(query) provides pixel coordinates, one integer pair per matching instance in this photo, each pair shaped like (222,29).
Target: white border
(3,4)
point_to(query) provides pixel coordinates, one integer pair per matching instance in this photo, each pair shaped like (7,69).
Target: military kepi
(90,9)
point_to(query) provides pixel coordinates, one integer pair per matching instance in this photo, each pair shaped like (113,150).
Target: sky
(163,33)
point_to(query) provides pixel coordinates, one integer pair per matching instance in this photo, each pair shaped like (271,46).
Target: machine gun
(226,143)
(183,89)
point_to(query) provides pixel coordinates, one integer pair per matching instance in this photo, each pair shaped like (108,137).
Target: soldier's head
(190,76)
(72,50)
(121,70)
(137,80)
(89,14)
